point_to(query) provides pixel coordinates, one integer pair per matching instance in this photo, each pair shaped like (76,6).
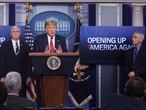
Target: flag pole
(78,8)
(28,8)
(28,34)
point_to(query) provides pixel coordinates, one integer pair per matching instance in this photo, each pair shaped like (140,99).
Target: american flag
(29,38)
(30,92)
(77,38)
(79,82)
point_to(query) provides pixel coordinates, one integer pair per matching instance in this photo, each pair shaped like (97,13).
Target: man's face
(15,33)
(51,29)
(136,39)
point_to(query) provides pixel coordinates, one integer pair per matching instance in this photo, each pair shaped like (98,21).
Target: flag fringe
(85,101)
(73,99)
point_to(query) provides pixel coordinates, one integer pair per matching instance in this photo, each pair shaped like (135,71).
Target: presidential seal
(53,62)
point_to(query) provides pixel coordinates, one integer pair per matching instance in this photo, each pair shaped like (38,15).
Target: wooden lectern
(53,83)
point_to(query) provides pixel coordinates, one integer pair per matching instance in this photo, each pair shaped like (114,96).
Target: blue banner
(105,44)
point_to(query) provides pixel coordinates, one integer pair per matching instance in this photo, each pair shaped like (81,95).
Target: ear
(20,87)
(141,39)
(45,29)
(10,33)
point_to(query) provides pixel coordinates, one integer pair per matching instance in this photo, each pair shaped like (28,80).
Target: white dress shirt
(14,44)
(49,38)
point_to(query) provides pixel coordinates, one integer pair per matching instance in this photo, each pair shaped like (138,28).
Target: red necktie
(51,45)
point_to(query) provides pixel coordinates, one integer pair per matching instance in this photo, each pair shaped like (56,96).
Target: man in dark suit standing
(3,98)
(131,100)
(13,84)
(135,59)
(50,41)
(14,57)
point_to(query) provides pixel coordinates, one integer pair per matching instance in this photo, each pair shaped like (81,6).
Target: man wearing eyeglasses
(135,58)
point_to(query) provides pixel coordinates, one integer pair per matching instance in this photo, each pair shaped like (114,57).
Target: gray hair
(140,34)
(15,27)
(13,82)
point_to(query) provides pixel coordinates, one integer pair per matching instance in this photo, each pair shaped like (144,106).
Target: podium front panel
(52,84)
(66,67)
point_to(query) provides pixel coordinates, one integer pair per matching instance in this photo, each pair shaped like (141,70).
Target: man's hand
(2,79)
(59,50)
(131,74)
(28,80)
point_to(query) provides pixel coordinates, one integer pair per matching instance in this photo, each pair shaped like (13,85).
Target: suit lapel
(139,53)
(21,47)
(56,42)
(45,42)
(11,49)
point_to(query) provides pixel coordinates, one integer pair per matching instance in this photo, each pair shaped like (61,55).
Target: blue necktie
(17,48)
(135,54)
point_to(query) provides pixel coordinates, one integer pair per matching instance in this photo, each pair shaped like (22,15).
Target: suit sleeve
(29,61)
(36,47)
(64,47)
(141,63)
(128,66)
(2,62)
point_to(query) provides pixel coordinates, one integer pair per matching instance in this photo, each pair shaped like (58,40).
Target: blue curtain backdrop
(11,14)
(127,15)
(144,12)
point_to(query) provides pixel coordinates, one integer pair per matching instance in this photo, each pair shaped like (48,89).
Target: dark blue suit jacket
(122,102)
(9,61)
(139,66)
(41,42)
(8,108)
(18,102)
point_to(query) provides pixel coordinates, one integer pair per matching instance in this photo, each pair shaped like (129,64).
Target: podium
(53,81)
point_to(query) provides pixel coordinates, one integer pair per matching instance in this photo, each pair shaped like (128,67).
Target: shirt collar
(16,41)
(50,37)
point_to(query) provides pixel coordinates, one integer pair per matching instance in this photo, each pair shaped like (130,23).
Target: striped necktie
(17,48)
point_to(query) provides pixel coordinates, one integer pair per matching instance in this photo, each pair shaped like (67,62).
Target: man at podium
(51,84)
(50,41)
